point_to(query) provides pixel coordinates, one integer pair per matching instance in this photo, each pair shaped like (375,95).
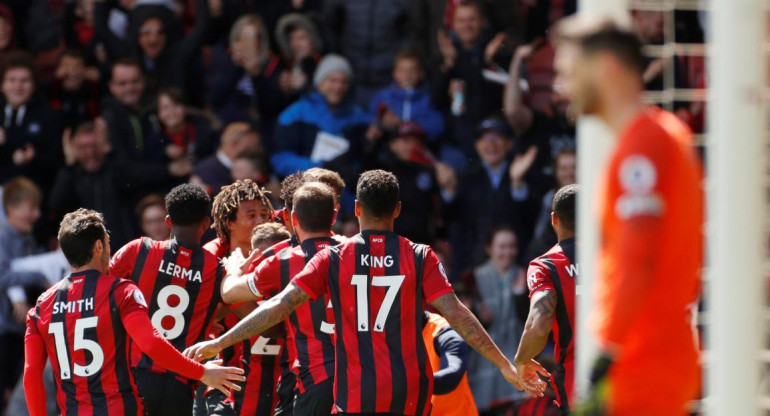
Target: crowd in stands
(108,104)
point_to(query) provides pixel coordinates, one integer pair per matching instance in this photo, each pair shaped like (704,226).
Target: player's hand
(530,377)
(222,378)
(203,350)
(509,374)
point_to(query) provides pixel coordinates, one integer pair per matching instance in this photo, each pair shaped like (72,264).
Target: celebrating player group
(279,316)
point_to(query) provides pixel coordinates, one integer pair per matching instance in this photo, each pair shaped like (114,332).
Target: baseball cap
(493,124)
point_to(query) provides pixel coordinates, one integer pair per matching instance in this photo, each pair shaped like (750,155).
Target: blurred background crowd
(108,104)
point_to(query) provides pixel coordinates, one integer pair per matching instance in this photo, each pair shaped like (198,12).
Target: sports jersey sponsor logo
(175,270)
(73,306)
(638,178)
(638,175)
(139,298)
(376,261)
(532,281)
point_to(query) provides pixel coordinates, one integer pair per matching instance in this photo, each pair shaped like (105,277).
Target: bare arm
(518,115)
(268,314)
(541,312)
(235,289)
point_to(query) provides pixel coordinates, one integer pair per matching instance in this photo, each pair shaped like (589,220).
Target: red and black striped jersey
(557,271)
(182,284)
(310,326)
(379,284)
(259,357)
(80,320)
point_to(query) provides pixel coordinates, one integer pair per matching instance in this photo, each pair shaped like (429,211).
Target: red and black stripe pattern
(80,322)
(379,285)
(182,285)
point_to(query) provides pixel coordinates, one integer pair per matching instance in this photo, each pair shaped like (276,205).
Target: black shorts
(216,406)
(318,400)
(285,391)
(163,395)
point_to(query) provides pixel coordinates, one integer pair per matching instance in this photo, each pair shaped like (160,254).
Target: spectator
(548,134)
(152,213)
(406,157)
(213,172)
(21,202)
(182,134)
(501,304)
(543,236)
(244,85)
(369,33)
(6,29)
(458,86)
(75,93)
(30,131)
(407,99)
(250,166)
(134,143)
(482,198)
(90,181)
(301,48)
(323,128)
(165,60)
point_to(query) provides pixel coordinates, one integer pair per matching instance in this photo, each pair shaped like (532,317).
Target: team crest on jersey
(638,175)
(139,298)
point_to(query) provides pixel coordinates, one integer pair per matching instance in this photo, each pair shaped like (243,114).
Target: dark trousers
(318,400)
(11,364)
(163,395)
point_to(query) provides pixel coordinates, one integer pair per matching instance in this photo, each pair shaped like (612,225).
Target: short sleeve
(538,278)
(122,262)
(434,279)
(314,278)
(32,328)
(129,299)
(267,277)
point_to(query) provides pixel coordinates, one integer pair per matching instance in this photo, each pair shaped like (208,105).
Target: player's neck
(620,108)
(93,265)
(186,236)
(244,246)
(302,235)
(375,224)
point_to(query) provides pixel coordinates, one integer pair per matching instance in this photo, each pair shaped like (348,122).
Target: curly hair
(187,204)
(564,203)
(378,193)
(289,185)
(225,207)
(78,232)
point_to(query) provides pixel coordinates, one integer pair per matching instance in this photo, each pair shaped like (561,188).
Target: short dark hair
(187,204)
(504,228)
(593,36)
(314,205)
(409,54)
(78,232)
(174,93)
(149,201)
(471,3)
(225,207)
(268,234)
(289,185)
(19,59)
(378,193)
(329,177)
(126,61)
(564,205)
(18,190)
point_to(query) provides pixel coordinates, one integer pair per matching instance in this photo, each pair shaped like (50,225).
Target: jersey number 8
(175,312)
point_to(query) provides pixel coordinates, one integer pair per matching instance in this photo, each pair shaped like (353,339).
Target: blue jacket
(414,105)
(299,124)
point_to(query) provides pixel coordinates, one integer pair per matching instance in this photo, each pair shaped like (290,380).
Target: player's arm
(34,363)
(463,321)
(539,321)
(270,313)
(237,289)
(452,351)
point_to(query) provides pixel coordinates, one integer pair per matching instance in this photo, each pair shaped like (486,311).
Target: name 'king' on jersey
(182,284)
(379,283)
